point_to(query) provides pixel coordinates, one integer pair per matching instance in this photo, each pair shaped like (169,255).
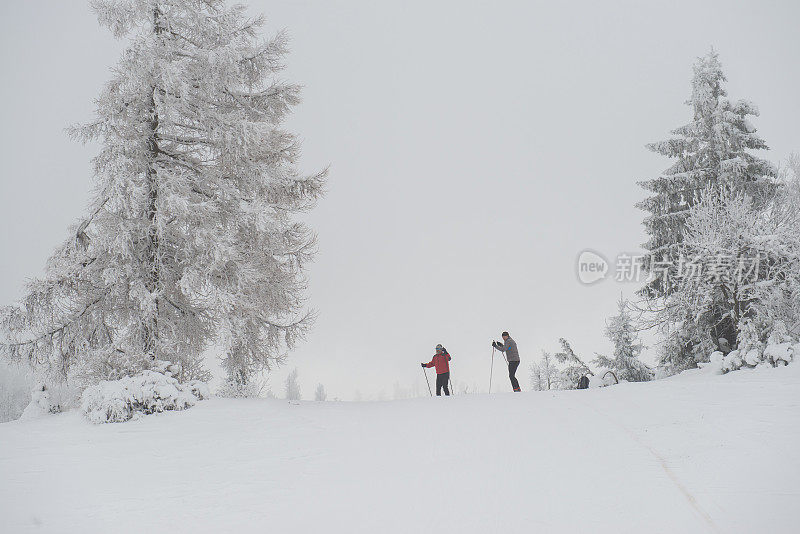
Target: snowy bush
(772,355)
(732,361)
(779,348)
(199,389)
(714,363)
(233,389)
(24,394)
(148,392)
(42,403)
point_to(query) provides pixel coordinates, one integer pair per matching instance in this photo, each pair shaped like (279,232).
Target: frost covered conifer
(291,388)
(537,378)
(713,150)
(320,394)
(190,235)
(544,375)
(627,348)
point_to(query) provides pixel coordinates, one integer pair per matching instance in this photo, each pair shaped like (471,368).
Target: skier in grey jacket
(509,346)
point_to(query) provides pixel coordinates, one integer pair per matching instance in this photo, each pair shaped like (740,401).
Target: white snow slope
(694,453)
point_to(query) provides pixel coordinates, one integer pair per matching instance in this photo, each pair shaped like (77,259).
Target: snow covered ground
(694,453)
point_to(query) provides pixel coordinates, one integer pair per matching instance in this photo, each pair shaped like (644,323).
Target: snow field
(694,453)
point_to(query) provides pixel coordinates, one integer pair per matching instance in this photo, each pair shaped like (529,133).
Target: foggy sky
(475,149)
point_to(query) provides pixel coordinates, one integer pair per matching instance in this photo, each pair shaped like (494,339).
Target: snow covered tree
(320,394)
(544,375)
(291,388)
(778,299)
(575,367)
(743,267)
(627,348)
(711,151)
(537,378)
(191,235)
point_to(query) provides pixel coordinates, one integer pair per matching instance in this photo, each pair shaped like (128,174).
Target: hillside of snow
(694,453)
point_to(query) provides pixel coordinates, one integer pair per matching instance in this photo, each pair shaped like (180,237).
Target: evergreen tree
(320,394)
(537,378)
(291,388)
(544,375)
(710,151)
(575,367)
(190,237)
(627,348)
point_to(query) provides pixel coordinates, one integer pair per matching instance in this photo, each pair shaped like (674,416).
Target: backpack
(583,383)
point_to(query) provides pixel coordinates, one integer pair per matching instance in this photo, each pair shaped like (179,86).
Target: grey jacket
(510,348)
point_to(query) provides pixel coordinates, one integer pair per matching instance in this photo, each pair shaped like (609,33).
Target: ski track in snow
(665,466)
(693,453)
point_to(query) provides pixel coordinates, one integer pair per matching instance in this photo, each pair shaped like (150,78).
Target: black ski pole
(491,370)
(425,372)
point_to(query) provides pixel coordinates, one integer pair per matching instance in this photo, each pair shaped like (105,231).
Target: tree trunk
(152,256)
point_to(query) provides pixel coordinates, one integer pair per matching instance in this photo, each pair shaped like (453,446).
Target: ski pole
(425,372)
(452,391)
(491,370)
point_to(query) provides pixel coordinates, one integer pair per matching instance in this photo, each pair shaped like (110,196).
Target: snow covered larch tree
(191,236)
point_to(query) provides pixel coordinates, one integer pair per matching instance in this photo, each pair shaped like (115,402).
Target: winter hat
(504,334)
(439,347)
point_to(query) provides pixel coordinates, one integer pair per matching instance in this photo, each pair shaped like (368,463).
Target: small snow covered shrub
(26,394)
(42,403)
(780,348)
(146,393)
(714,363)
(233,389)
(199,389)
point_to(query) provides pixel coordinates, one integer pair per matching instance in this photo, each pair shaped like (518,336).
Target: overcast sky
(475,149)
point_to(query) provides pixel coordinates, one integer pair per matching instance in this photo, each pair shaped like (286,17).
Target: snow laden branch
(575,367)
(193,238)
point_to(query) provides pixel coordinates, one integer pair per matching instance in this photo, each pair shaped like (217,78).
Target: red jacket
(440,362)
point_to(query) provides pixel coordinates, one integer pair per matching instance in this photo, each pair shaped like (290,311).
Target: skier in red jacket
(439,361)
